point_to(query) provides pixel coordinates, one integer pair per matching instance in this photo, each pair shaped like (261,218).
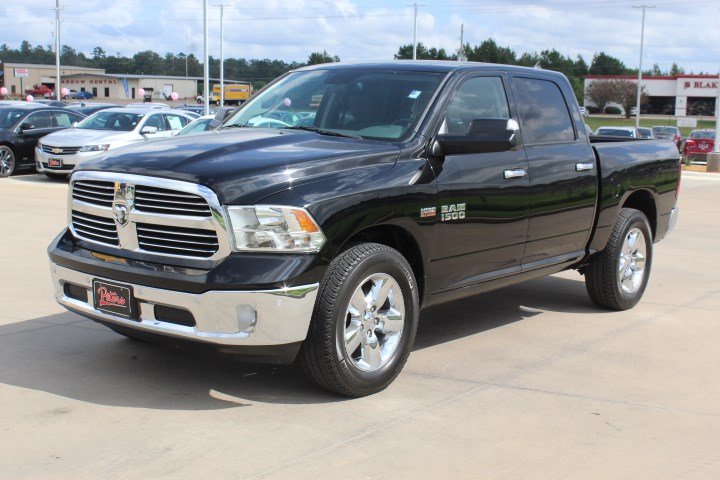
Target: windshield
(664,130)
(614,132)
(374,104)
(198,126)
(710,134)
(116,121)
(9,116)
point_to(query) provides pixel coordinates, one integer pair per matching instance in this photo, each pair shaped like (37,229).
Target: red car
(39,91)
(698,144)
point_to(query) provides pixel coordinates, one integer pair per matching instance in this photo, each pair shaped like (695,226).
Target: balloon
(287,102)
(64,92)
(141,92)
(29,98)
(174,95)
(3,91)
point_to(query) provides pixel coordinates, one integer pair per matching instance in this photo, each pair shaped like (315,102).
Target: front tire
(364,322)
(7,161)
(617,277)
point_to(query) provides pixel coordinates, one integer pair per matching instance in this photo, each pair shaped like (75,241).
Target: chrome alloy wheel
(631,265)
(6,161)
(374,322)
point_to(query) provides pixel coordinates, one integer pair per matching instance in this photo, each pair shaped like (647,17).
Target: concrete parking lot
(527,382)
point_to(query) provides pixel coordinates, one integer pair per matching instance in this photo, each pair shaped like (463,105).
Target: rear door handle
(514,173)
(584,166)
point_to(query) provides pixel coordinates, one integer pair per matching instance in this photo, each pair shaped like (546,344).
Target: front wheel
(617,277)
(7,161)
(364,322)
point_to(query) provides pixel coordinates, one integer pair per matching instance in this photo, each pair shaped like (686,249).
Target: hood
(246,165)
(79,137)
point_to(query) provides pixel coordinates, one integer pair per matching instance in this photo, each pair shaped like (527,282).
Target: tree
(600,92)
(675,70)
(316,58)
(405,52)
(98,53)
(603,64)
(625,93)
(656,72)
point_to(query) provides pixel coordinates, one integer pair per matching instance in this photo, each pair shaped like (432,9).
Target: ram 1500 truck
(342,199)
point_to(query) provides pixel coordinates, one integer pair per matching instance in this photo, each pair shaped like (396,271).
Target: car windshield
(117,121)
(707,134)
(645,132)
(614,132)
(664,130)
(9,116)
(373,104)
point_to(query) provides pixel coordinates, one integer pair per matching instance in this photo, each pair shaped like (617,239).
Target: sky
(684,31)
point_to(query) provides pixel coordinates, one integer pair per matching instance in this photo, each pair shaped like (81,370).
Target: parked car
(84,95)
(221,113)
(584,112)
(59,153)
(214,99)
(50,103)
(39,91)
(645,133)
(22,124)
(318,231)
(698,144)
(668,132)
(147,105)
(617,132)
(90,108)
(199,125)
(199,109)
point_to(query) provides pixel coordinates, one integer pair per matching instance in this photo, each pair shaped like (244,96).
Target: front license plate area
(55,163)
(114,298)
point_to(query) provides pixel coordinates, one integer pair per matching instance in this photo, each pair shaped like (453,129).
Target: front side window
(544,115)
(39,120)
(155,121)
(477,98)
(373,104)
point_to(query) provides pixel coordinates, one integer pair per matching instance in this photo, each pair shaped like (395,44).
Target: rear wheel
(7,161)
(617,277)
(364,322)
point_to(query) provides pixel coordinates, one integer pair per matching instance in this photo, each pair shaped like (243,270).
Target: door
(482,215)
(41,124)
(563,176)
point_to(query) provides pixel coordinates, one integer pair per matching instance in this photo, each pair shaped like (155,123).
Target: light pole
(222,55)
(57,9)
(206,69)
(415,5)
(642,41)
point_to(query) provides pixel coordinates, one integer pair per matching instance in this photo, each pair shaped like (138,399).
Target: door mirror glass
(485,135)
(148,130)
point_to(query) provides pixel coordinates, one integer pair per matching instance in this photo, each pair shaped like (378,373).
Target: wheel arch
(398,238)
(644,201)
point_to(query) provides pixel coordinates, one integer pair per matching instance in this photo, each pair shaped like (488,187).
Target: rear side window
(544,114)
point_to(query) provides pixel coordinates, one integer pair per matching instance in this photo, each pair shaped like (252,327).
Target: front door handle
(584,166)
(514,173)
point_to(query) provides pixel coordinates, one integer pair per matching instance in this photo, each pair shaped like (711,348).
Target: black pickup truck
(342,199)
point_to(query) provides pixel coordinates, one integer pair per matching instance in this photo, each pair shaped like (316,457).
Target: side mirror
(148,130)
(26,126)
(485,135)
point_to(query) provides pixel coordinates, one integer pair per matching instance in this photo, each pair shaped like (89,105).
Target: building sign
(90,82)
(687,85)
(22,72)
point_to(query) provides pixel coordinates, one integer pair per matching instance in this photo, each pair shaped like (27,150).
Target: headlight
(270,228)
(95,148)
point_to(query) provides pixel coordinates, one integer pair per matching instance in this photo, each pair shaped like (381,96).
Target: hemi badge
(427,212)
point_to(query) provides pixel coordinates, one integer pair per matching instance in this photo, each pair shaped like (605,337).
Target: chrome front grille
(60,150)
(95,192)
(170,202)
(168,218)
(177,241)
(95,228)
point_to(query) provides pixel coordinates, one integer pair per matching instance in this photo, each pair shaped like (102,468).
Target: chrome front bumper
(69,161)
(230,318)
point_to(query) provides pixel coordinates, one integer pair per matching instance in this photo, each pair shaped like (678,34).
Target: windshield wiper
(330,133)
(234,125)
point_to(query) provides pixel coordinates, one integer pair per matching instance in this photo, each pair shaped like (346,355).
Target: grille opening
(178,316)
(63,150)
(170,202)
(76,292)
(177,240)
(95,228)
(94,192)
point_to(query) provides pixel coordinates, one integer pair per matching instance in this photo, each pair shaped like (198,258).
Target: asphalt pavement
(527,382)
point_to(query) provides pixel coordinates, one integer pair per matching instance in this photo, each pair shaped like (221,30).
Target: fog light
(247,318)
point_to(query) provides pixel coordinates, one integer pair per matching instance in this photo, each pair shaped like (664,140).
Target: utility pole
(206,69)
(58,95)
(222,56)
(186,60)
(642,41)
(461,52)
(415,5)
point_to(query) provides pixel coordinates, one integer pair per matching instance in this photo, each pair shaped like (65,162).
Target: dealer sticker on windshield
(414,94)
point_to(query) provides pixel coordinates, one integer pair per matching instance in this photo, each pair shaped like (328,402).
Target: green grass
(596,122)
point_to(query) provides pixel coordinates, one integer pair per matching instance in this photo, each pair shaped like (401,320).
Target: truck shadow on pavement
(72,357)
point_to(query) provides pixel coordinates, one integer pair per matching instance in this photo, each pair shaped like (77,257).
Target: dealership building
(683,95)
(19,77)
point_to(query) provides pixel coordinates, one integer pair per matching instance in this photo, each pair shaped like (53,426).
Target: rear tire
(364,323)
(7,161)
(617,277)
